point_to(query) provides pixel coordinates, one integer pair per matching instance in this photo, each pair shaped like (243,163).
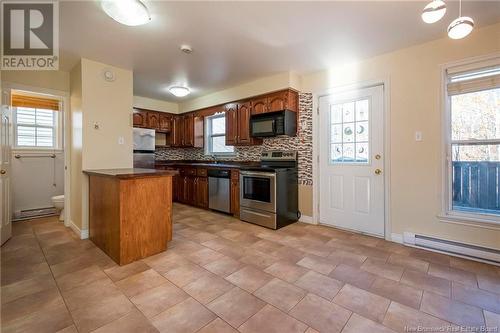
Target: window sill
(473,220)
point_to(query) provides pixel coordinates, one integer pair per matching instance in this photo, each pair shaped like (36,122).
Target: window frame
(56,132)
(447,213)
(209,136)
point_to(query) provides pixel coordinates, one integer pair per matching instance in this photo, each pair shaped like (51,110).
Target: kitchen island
(130,212)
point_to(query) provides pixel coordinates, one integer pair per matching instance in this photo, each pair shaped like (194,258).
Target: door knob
(3,172)
(378,171)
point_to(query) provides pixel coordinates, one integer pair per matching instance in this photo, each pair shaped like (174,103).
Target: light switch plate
(121,140)
(418,136)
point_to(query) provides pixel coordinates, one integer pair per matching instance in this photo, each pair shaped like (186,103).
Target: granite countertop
(131,173)
(219,164)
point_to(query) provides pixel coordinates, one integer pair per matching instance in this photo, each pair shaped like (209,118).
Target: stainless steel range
(269,193)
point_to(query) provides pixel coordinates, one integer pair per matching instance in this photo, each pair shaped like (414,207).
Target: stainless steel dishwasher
(219,190)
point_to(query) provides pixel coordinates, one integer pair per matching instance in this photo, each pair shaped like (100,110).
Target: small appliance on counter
(144,148)
(273,124)
(269,192)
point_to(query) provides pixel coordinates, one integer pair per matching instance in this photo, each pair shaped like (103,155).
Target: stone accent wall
(302,143)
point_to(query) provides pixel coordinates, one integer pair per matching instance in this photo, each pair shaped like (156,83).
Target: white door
(352,159)
(5,146)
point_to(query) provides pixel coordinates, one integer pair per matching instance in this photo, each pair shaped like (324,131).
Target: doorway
(351,160)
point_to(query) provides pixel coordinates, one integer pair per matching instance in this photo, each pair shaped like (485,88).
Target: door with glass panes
(352,159)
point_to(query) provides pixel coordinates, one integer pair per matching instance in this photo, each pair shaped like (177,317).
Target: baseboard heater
(454,248)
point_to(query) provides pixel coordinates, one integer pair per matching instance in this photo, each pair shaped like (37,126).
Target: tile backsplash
(302,143)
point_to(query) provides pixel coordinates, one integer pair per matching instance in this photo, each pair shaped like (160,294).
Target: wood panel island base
(130,212)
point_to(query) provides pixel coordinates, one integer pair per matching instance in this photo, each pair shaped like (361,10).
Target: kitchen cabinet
(238,125)
(235,193)
(153,120)
(201,192)
(164,122)
(187,131)
(277,101)
(140,118)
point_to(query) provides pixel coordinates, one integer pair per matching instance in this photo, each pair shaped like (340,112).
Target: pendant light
(128,12)
(461,26)
(434,11)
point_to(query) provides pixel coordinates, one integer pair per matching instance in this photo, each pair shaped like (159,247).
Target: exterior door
(5,168)
(352,160)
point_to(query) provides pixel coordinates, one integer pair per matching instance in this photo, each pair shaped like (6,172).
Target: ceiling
(235,42)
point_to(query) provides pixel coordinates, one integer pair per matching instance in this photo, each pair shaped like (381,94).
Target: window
(216,136)
(35,128)
(473,142)
(349,126)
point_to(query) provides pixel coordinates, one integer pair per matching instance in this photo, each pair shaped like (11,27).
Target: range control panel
(279,156)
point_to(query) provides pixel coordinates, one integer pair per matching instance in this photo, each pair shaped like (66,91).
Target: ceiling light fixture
(186,49)
(434,11)
(179,91)
(128,12)
(461,26)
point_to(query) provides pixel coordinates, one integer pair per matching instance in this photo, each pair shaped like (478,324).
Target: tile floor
(223,275)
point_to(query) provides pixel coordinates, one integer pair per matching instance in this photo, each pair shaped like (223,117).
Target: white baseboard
(397,238)
(84,234)
(306,219)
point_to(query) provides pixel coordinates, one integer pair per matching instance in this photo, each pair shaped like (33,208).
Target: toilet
(58,202)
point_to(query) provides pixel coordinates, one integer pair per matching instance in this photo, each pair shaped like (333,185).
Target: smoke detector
(186,49)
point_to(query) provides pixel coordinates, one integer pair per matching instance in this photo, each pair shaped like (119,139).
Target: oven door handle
(257,174)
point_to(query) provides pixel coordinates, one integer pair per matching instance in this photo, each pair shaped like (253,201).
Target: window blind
(18,100)
(474,77)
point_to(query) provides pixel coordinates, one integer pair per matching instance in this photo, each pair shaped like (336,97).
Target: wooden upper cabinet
(277,101)
(259,105)
(231,124)
(188,130)
(177,131)
(140,118)
(244,112)
(165,122)
(153,120)
(198,128)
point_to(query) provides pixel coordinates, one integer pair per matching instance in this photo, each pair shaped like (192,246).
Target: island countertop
(127,173)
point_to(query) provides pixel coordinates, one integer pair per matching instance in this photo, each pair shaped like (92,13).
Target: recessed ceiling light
(179,91)
(128,12)
(434,11)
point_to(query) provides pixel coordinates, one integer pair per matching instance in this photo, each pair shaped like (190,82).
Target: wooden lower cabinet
(235,193)
(190,187)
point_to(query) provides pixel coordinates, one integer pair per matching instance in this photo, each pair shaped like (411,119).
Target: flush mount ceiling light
(461,26)
(179,91)
(434,11)
(128,12)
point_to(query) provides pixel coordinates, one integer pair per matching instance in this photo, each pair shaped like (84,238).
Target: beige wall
(57,80)
(109,105)
(256,87)
(155,104)
(76,133)
(415,92)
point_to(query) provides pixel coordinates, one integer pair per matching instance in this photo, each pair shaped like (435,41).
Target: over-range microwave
(273,124)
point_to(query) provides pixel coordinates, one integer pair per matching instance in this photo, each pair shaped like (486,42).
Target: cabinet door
(175,188)
(190,191)
(235,193)
(177,130)
(189,130)
(231,124)
(164,122)
(199,126)
(140,118)
(181,189)
(259,105)
(201,189)
(277,101)
(153,120)
(244,112)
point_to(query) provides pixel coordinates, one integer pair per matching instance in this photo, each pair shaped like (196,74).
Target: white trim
(306,219)
(397,238)
(83,234)
(386,83)
(447,214)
